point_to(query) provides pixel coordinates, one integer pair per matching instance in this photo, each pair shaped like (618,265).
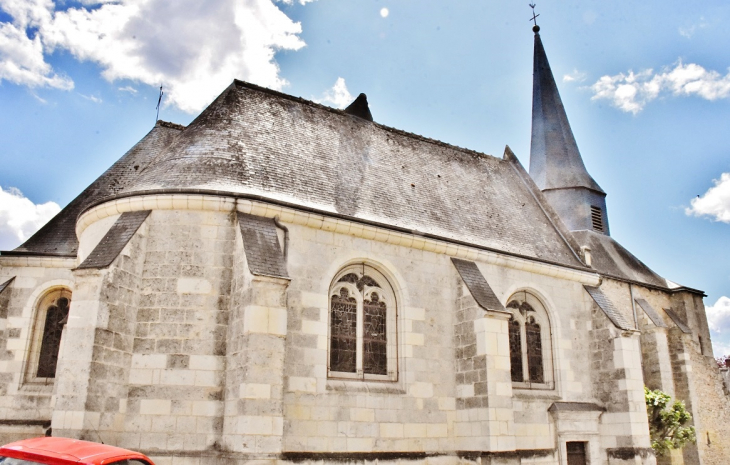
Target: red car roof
(63,451)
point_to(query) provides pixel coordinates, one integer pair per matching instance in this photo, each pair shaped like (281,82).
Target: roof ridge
(167,124)
(311,103)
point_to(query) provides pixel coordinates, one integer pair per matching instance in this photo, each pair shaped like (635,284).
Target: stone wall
(25,408)
(186,354)
(176,380)
(257,329)
(95,357)
(618,385)
(714,416)
(485,420)
(414,413)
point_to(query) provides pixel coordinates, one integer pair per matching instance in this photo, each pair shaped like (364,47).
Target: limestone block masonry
(177,349)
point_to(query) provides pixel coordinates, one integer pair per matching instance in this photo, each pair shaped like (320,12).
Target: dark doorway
(576,453)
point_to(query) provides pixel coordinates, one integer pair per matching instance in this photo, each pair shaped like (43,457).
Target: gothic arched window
(51,317)
(529,342)
(362,325)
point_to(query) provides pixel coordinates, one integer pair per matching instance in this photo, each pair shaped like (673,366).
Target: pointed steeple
(555,162)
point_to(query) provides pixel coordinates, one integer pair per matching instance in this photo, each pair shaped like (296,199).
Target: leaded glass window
(362,325)
(56,317)
(534,350)
(515,350)
(529,342)
(51,317)
(343,340)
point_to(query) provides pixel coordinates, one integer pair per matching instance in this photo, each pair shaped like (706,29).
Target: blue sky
(645,85)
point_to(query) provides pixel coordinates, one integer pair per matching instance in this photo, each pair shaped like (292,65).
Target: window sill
(523,391)
(41,387)
(381,387)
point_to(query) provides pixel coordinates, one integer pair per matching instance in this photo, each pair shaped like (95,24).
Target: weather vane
(159,101)
(534,18)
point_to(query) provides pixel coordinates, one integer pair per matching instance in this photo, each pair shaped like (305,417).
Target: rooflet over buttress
(360,108)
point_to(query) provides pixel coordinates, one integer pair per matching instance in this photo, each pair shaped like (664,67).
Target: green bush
(667,424)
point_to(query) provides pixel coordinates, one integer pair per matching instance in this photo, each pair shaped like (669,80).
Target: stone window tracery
(51,317)
(362,326)
(529,342)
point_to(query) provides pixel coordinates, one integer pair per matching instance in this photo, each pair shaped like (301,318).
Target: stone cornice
(40,261)
(270,208)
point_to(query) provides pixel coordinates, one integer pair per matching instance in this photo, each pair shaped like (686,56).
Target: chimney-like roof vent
(360,108)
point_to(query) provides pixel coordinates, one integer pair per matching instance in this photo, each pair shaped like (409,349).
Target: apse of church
(281,281)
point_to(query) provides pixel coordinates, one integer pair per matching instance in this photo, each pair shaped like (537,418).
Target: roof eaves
(27,253)
(671,290)
(331,214)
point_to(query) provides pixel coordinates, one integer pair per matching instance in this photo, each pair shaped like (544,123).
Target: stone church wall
(414,413)
(180,351)
(25,409)
(94,361)
(176,378)
(618,383)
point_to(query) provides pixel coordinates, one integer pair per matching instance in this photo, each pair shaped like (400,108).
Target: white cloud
(93,98)
(718,318)
(714,203)
(37,97)
(20,217)
(129,89)
(384,12)
(301,2)
(689,31)
(632,91)
(575,76)
(338,95)
(195,49)
(22,61)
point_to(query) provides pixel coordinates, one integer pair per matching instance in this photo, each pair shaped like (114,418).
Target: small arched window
(530,345)
(362,325)
(51,317)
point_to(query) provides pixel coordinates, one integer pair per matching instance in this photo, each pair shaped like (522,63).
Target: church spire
(555,162)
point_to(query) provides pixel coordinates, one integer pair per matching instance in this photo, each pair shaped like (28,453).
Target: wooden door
(576,453)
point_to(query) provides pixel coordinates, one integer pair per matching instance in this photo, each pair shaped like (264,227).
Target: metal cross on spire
(535,28)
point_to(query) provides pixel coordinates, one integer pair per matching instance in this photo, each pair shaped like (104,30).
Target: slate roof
(58,236)
(575,407)
(678,321)
(651,313)
(271,146)
(261,245)
(4,285)
(613,314)
(257,142)
(477,285)
(115,239)
(555,161)
(611,259)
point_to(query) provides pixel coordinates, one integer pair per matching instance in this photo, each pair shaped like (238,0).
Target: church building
(281,282)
